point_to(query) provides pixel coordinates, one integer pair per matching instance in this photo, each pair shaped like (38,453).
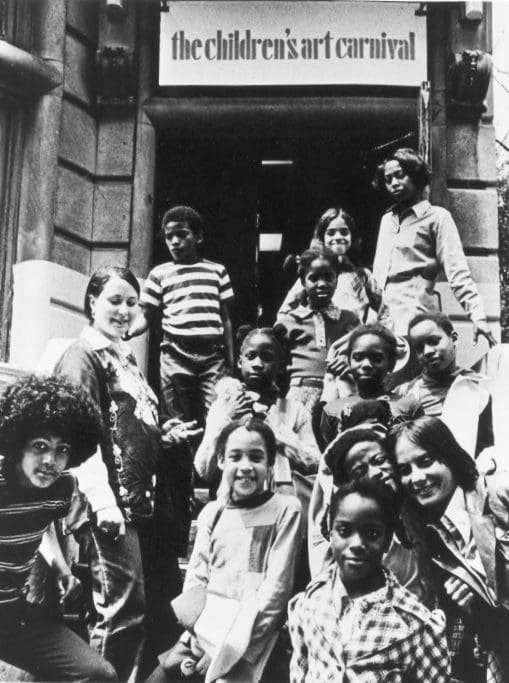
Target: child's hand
(69,587)
(238,405)
(337,360)
(111,521)
(174,431)
(340,345)
(459,593)
(338,365)
(481,327)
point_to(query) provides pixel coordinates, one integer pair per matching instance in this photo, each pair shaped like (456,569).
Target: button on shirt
(412,248)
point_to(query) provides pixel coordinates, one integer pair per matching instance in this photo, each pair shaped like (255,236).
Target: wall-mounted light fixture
(116,9)
(471,12)
(116,77)
(468,81)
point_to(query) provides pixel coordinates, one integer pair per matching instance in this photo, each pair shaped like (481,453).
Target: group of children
(307,488)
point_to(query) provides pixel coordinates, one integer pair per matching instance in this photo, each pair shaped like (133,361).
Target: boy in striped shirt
(193,295)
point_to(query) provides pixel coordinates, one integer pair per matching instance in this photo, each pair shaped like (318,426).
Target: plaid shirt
(396,638)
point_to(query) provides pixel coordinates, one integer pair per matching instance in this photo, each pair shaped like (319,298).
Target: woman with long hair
(465,526)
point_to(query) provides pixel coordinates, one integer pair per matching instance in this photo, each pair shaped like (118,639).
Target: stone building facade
(92,149)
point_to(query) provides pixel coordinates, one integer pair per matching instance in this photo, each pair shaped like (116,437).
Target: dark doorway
(247,187)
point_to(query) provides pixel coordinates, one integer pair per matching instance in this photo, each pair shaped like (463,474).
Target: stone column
(39,182)
(464,172)
(142,228)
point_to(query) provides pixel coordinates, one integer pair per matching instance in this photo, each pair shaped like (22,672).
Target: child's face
(43,459)
(429,481)
(369,362)
(259,363)
(368,460)
(320,283)
(337,237)
(181,241)
(435,349)
(359,538)
(114,308)
(245,465)
(399,184)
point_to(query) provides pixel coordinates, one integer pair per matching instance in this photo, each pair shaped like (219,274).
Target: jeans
(163,582)
(188,379)
(41,644)
(118,594)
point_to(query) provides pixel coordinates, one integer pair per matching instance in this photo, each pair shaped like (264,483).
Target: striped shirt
(25,514)
(189,295)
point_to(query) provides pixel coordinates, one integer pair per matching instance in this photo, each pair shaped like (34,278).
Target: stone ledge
(22,73)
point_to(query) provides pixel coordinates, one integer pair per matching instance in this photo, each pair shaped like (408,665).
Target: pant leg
(118,594)
(50,651)
(163,582)
(179,384)
(213,368)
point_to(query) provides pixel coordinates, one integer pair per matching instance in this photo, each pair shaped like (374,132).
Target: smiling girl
(245,552)
(356,289)
(465,520)
(356,622)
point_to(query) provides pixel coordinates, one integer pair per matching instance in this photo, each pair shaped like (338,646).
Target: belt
(315,382)
(408,275)
(206,344)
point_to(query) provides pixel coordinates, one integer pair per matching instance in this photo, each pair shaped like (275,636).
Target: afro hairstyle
(35,406)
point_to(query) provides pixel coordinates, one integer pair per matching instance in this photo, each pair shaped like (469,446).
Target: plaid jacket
(398,640)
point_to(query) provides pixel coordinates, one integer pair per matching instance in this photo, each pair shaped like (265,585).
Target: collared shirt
(311,333)
(131,443)
(394,637)
(350,610)
(357,291)
(412,249)
(455,522)
(120,364)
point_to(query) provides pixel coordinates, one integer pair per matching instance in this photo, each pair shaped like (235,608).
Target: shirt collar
(456,514)
(444,380)
(382,594)
(98,341)
(303,312)
(457,502)
(419,208)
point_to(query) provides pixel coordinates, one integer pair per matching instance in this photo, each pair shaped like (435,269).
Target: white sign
(257,42)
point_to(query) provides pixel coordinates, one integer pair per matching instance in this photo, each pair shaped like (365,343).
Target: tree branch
(502,144)
(502,85)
